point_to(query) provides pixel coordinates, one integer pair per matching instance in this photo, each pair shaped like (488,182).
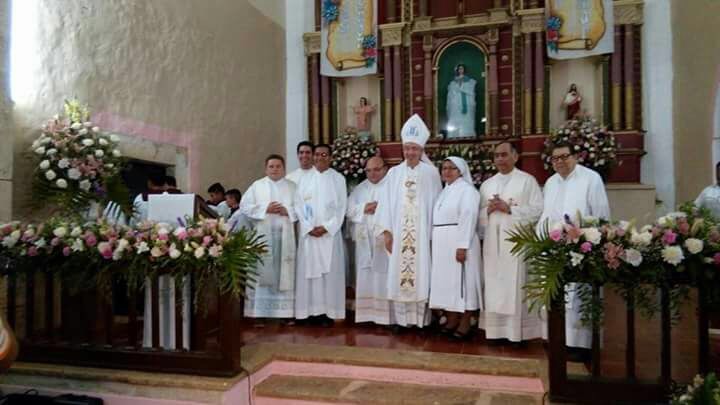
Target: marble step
(306,390)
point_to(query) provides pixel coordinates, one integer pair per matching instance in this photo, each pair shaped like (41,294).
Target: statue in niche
(461,105)
(572,102)
(363,115)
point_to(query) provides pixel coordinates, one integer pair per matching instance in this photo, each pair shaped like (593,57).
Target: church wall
(696,59)
(6,123)
(205,76)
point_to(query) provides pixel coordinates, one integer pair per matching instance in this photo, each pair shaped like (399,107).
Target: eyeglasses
(559,158)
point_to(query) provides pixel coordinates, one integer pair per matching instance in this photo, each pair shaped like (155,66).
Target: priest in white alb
(371,261)
(269,207)
(305,159)
(509,199)
(320,205)
(456,258)
(573,189)
(404,218)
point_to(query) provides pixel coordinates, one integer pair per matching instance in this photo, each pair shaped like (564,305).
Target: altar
(501,47)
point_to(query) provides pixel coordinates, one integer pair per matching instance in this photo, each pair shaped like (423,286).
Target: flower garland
(683,245)
(75,163)
(594,146)
(553,25)
(478,157)
(330,11)
(350,152)
(90,254)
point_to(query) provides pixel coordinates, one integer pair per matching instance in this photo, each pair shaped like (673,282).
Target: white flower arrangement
(593,145)
(350,152)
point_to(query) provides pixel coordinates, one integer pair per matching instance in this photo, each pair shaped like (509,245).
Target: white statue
(461,105)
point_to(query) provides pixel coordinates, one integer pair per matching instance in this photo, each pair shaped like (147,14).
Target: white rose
(114,138)
(199,252)
(673,255)
(215,250)
(40,150)
(45,164)
(83,131)
(142,247)
(96,129)
(64,163)
(76,126)
(60,231)
(116,153)
(88,142)
(155,252)
(123,244)
(85,185)
(51,152)
(77,245)
(109,165)
(29,233)
(41,243)
(633,257)
(99,153)
(641,238)
(61,183)
(592,235)
(50,175)
(102,142)
(694,246)
(174,252)
(87,124)
(77,231)
(576,258)
(74,174)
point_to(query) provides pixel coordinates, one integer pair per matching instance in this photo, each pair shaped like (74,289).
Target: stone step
(286,389)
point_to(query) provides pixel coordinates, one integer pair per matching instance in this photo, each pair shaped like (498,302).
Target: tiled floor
(346,333)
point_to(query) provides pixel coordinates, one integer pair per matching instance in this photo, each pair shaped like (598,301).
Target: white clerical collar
(572,174)
(508,174)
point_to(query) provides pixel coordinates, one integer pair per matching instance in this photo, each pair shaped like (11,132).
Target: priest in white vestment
(320,205)
(572,190)
(456,257)
(269,206)
(404,217)
(371,261)
(305,158)
(710,197)
(510,198)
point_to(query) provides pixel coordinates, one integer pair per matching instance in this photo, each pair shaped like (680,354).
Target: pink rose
(182,235)
(556,235)
(207,240)
(162,236)
(66,251)
(613,253)
(716,259)
(714,235)
(684,228)
(7,229)
(586,247)
(55,241)
(32,251)
(573,233)
(105,249)
(90,239)
(669,237)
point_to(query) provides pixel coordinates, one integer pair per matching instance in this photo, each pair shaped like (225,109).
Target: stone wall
(207,77)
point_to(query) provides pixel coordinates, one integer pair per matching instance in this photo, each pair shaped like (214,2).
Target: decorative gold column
(527,84)
(387,89)
(616,82)
(397,91)
(539,83)
(428,81)
(325,107)
(491,126)
(629,61)
(312,52)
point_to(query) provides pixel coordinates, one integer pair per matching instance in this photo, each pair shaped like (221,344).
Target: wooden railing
(86,329)
(599,389)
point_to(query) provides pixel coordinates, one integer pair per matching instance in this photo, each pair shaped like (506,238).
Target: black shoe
(462,337)
(326,322)
(578,354)
(396,329)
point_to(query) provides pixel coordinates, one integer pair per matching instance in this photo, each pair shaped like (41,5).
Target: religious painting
(579,28)
(348,38)
(460,91)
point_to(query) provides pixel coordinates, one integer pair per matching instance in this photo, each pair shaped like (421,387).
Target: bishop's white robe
(456,286)
(321,200)
(582,191)
(506,312)
(405,210)
(371,261)
(273,295)
(710,198)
